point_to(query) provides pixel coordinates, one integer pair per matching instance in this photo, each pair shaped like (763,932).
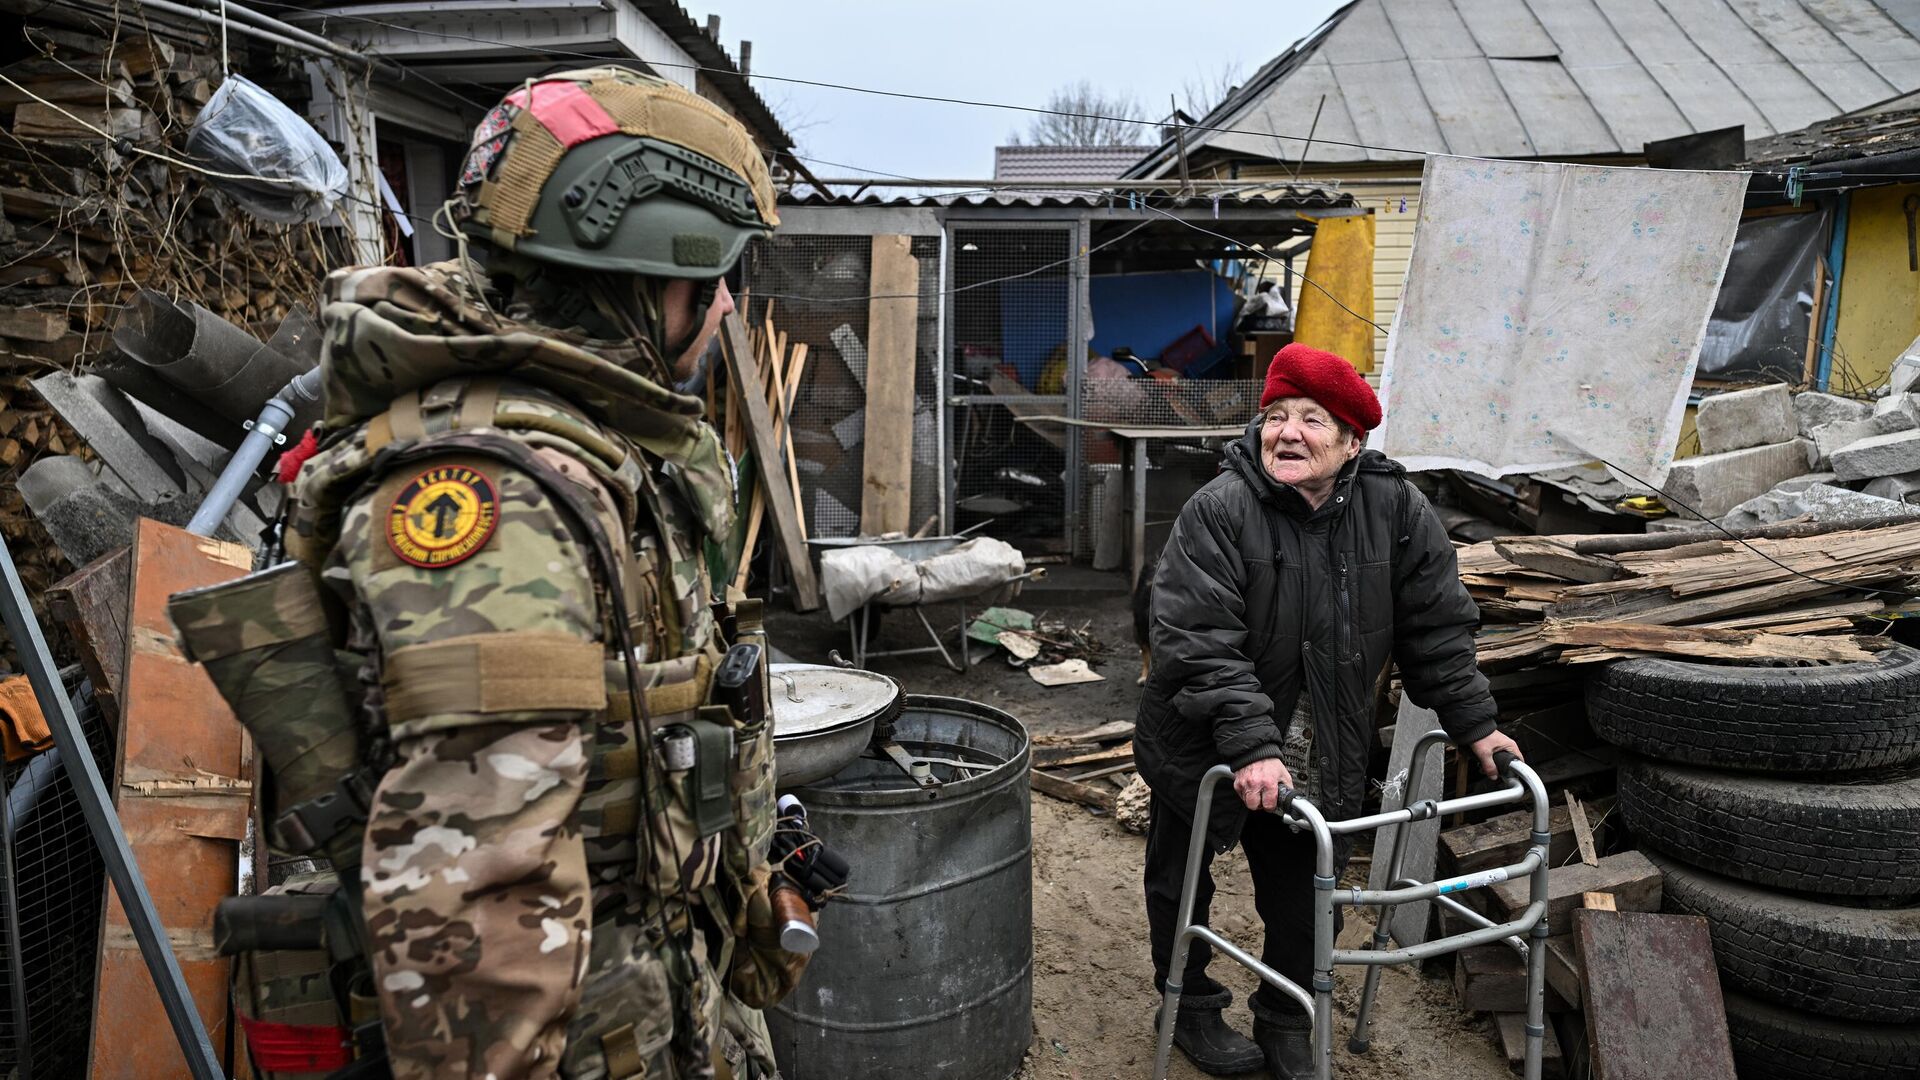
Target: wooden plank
(91,604)
(181,781)
(1114,729)
(1653,1003)
(1563,969)
(1512,1027)
(1502,841)
(1084,794)
(893,317)
(1409,925)
(1098,757)
(33,324)
(1540,554)
(1702,642)
(1582,830)
(744,367)
(1632,879)
(1598,901)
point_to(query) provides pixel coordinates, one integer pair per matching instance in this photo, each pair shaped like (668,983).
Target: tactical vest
(708,812)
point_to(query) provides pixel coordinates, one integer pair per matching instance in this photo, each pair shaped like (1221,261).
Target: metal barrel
(925,965)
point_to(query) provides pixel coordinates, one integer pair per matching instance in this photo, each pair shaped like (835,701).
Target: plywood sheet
(180,783)
(893,317)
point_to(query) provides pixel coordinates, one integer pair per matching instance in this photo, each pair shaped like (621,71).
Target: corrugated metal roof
(1064,162)
(1296,196)
(1559,78)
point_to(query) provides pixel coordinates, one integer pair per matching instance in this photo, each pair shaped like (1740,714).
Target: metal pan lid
(811,698)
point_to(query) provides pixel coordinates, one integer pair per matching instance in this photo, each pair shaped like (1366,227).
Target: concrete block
(1814,409)
(1832,437)
(1824,503)
(1902,488)
(1712,484)
(1906,368)
(1740,419)
(1897,403)
(1881,455)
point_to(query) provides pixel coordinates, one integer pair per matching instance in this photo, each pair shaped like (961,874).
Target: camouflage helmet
(610,170)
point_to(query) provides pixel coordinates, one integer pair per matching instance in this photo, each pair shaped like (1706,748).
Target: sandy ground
(1093,997)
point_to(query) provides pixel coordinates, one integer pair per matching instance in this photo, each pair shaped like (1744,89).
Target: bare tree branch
(1098,119)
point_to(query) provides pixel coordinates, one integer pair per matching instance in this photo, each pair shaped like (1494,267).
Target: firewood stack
(85,221)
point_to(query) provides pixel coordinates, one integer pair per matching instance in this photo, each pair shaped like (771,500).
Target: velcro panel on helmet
(515,187)
(669,113)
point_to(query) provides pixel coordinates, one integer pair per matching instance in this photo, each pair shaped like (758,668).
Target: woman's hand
(1259,784)
(1484,749)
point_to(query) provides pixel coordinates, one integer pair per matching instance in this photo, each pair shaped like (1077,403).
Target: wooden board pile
(1580,600)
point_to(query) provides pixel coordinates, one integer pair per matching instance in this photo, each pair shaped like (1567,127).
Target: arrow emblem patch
(443,517)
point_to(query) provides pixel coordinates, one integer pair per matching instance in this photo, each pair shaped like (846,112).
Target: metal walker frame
(1522,785)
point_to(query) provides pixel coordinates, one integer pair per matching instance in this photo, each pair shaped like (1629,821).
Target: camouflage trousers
(545,972)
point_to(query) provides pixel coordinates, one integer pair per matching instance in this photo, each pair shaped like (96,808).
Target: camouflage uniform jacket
(526,915)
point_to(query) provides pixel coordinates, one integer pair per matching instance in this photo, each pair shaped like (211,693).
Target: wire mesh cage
(815,289)
(52,883)
(1011,323)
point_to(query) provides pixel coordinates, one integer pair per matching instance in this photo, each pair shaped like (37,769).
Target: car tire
(1852,962)
(1773,1042)
(1856,836)
(1771,719)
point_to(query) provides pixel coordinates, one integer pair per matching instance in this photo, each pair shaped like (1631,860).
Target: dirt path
(1093,978)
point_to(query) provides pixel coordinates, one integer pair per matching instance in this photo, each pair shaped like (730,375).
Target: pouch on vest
(267,644)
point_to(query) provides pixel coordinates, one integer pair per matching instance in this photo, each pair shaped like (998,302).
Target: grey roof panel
(1292,114)
(1558,117)
(1635,107)
(1783,95)
(1430,29)
(1389,110)
(1878,40)
(1471,106)
(1505,29)
(1850,82)
(1704,94)
(1363,35)
(1410,77)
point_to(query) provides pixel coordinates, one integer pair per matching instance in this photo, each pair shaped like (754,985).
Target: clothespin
(1216,207)
(1797,176)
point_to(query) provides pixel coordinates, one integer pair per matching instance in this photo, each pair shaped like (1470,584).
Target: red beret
(1299,371)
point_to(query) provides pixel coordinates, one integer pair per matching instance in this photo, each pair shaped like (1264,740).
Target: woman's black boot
(1285,1040)
(1208,1041)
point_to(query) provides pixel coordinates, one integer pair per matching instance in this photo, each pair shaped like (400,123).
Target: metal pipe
(266,432)
(1455,943)
(104,823)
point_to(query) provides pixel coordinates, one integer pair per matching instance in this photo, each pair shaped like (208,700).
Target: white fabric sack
(851,577)
(979,568)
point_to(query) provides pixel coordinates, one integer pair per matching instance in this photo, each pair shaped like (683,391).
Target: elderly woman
(1288,584)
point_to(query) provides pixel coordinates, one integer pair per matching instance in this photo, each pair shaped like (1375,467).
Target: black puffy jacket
(1259,597)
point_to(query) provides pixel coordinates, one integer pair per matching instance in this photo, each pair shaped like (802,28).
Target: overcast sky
(985,50)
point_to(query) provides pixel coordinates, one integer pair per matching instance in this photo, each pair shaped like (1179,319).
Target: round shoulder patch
(442,517)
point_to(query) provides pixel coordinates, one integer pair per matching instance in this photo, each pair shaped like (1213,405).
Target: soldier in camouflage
(513,508)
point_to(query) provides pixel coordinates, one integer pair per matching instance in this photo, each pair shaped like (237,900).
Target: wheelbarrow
(1522,786)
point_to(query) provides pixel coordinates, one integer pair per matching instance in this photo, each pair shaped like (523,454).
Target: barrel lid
(830,697)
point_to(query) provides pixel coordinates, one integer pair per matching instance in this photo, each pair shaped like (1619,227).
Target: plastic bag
(245,130)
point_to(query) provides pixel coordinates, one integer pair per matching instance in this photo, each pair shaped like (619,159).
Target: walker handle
(1502,763)
(1285,802)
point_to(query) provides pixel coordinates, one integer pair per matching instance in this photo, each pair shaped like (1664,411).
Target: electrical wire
(1664,497)
(823,84)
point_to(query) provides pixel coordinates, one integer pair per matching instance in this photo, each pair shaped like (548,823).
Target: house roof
(1889,127)
(1557,78)
(1064,162)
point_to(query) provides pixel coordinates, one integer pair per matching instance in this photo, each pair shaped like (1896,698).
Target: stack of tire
(1783,804)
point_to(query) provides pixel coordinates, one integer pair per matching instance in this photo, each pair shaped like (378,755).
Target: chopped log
(1084,794)
(91,604)
(32,324)
(75,121)
(1632,879)
(1637,967)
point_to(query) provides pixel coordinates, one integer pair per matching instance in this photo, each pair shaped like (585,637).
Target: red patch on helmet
(567,110)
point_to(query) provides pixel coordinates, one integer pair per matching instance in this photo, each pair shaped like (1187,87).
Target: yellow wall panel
(1879,295)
